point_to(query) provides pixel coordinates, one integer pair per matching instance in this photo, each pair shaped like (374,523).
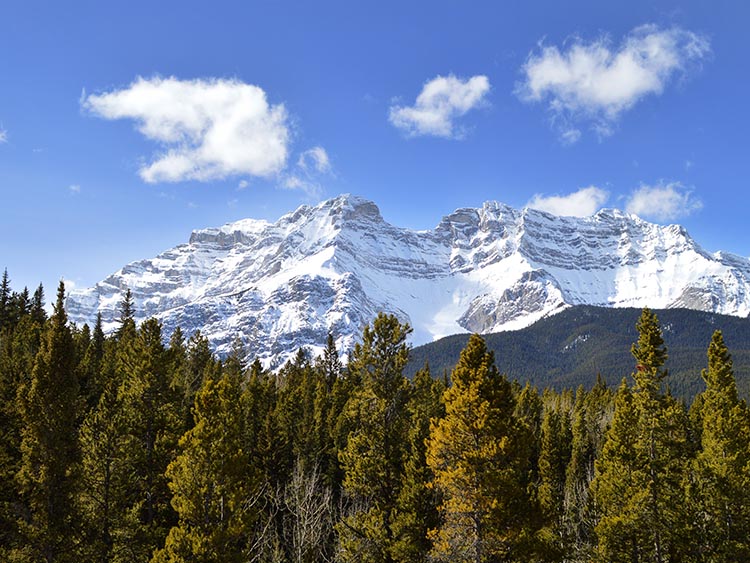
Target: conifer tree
(37,306)
(554,455)
(5,296)
(212,481)
(103,486)
(19,346)
(478,457)
(152,428)
(719,490)
(659,461)
(417,503)
(373,457)
(617,489)
(49,446)
(578,476)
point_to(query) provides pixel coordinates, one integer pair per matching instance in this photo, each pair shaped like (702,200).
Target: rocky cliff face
(333,267)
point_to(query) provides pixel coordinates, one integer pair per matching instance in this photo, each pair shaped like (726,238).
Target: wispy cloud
(441,102)
(663,202)
(209,128)
(581,203)
(243,184)
(312,166)
(316,159)
(594,83)
(3,135)
(74,189)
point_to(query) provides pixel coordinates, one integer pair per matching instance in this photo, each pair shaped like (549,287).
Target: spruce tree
(104,483)
(417,503)
(49,446)
(373,457)
(719,490)
(152,426)
(659,461)
(212,481)
(578,476)
(554,455)
(479,459)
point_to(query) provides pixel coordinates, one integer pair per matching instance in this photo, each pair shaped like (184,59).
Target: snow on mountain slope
(333,267)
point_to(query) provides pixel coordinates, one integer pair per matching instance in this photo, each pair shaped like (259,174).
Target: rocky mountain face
(333,267)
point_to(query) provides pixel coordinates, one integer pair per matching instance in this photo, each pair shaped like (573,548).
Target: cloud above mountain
(442,101)
(581,203)
(208,129)
(663,201)
(592,84)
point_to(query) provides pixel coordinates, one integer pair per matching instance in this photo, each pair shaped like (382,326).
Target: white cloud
(243,184)
(662,202)
(3,135)
(304,184)
(594,83)
(316,159)
(74,189)
(581,203)
(441,101)
(210,129)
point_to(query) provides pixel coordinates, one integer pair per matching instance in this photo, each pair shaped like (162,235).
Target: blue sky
(122,128)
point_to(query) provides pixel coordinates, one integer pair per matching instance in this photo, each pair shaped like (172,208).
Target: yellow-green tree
(478,457)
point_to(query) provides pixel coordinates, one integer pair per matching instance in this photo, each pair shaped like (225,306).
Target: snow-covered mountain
(333,267)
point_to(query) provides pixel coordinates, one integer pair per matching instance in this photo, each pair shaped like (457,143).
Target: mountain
(573,347)
(334,266)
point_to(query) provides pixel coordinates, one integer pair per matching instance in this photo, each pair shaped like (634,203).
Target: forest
(129,448)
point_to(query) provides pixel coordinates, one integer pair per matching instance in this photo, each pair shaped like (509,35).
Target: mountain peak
(333,266)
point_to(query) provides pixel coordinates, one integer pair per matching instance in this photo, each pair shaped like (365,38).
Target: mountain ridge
(278,286)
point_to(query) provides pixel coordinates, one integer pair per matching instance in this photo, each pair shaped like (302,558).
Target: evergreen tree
(152,426)
(417,503)
(617,489)
(37,306)
(212,481)
(373,457)
(478,457)
(659,461)
(103,487)
(578,476)
(5,297)
(554,455)
(719,490)
(49,445)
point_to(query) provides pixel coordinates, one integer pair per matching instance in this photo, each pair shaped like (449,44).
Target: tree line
(125,447)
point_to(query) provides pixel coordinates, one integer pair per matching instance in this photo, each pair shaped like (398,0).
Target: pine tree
(417,503)
(554,455)
(19,346)
(373,457)
(152,426)
(478,457)
(659,461)
(617,489)
(103,486)
(5,297)
(719,490)
(212,481)
(578,476)
(49,446)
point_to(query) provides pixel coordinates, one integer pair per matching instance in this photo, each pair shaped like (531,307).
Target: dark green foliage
(374,454)
(323,462)
(570,348)
(49,446)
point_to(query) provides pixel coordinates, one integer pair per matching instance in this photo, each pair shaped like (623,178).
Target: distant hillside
(570,348)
